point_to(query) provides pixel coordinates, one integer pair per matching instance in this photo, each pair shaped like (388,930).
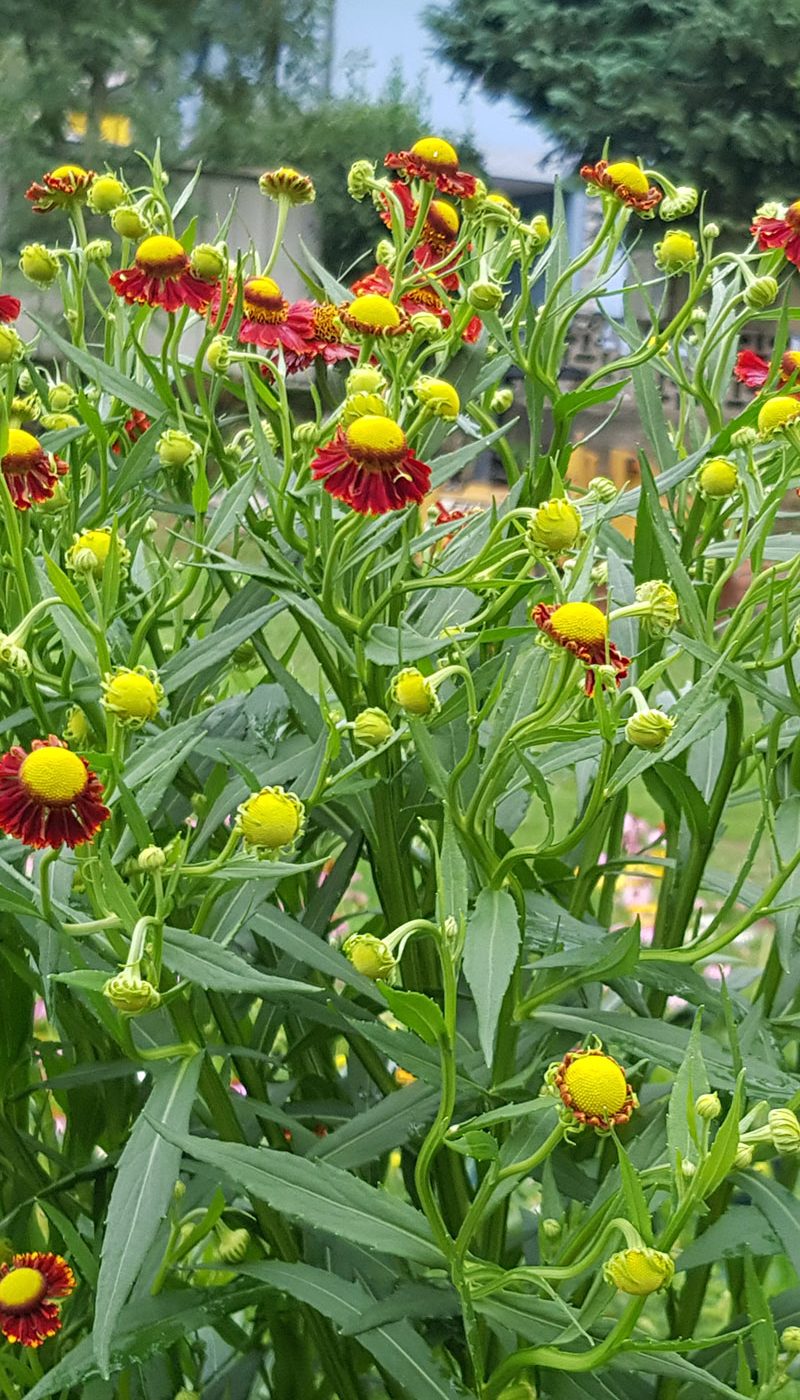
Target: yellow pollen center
(374,312)
(776,412)
(790,362)
(435,150)
(22,444)
(596,1084)
(133,694)
(270,819)
(53,775)
(679,245)
(373,433)
(626,172)
(158,250)
(98,541)
(263,287)
(21,1288)
(326,322)
(580,622)
(61,172)
(444,216)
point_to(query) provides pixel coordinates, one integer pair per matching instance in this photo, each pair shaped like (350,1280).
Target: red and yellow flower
(325,340)
(162,276)
(593,1089)
(270,321)
(9,309)
(370,467)
(442,223)
(435,161)
(31,474)
(372,312)
(751,369)
(582,629)
(780,232)
(27,1284)
(50,796)
(419,297)
(626,181)
(62,186)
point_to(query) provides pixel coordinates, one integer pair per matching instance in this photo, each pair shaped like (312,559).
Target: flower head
(270,321)
(582,629)
(365,379)
(676,253)
(593,1089)
(780,231)
(370,467)
(12,346)
(132,696)
(38,264)
(708,1106)
(176,449)
(680,204)
(555,526)
(658,604)
(751,369)
(639,1271)
(131,994)
(89,551)
(31,474)
(441,397)
(372,727)
(369,956)
(286,183)
(414,693)
(761,292)
(106,193)
(65,185)
(10,308)
(128,222)
(777,414)
(649,729)
(373,314)
(718,478)
(208,261)
(784,1128)
(50,796)
(162,276)
(27,1284)
(435,161)
(626,181)
(271,820)
(323,338)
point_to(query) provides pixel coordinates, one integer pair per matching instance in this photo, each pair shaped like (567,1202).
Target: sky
(392,31)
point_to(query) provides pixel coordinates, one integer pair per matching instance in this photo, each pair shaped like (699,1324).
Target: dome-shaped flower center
(374,436)
(719,477)
(270,819)
(69,172)
(436,152)
(678,246)
(98,541)
(580,622)
(626,172)
(596,1084)
(22,444)
(264,301)
(22,1289)
(374,312)
(442,219)
(132,694)
(776,412)
(644,1269)
(790,363)
(161,256)
(53,775)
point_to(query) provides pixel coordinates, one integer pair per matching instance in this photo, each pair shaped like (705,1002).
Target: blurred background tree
(707,89)
(246,83)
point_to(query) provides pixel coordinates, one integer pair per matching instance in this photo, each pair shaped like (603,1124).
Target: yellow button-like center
(159,249)
(580,622)
(262,287)
(626,172)
(444,215)
(98,541)
(679,245)
(53,775)
(373,433)
(646,1273)
(62,172)
(374,311)
(22,444)
(435,150)
(719,477)
(596,1084)
(132,694)
(270,819)
(412,693)
(776,412)
(22,1288)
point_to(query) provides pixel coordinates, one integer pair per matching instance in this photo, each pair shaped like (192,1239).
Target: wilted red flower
(25,1285)
(582,629)
(134,427)
(780,232)
(324,342)
(9,309)
(751,369)
(59,187)
(435,161)
(626,180)
(370,466)
(162,276)
(31,473)
(50,796)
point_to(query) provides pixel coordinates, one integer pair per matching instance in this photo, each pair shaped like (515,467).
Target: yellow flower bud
(639,1271)
(718,478)
(11,345)
(132,696)
(555,526)
(89,551)
(744,1156)
(106,193)
(649,729)
(439,396)
(366,379)
(176,449)
(777,413)
(414,693)
(38,264)
(485,296)
(785,1130)
(61,397)
(77,729)
(708,1106)
(676,253)
(208,262)
(369,956)
(271,820)
(130,994)
(662,612)
(361,406)
(372,728)
(128,222)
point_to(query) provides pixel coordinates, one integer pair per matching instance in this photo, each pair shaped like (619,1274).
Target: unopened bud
(688,1169)
(744,437)
(360,179)
(106,193)
(555,526)
(288,184)
(98,250)
(678,205)
(232,1244)
(785,1129)
(762,292)
(711,231)
(639,1271)
(130,994)
(367,379)
(38,264)
(306,434)
(790,1340)
(14,658)
(385,253)
(485,296)
(11,345)
(744,1156)
(218,354)
(208,262)
(128,222)
(602,489)
(676,253)
(551,1229)
(426,325)
(708,1106)
(369,956)
(176,449)
(662,606)
(502,400)
(61,397)
(649,729)
(718,478)
(439,396)
(372,727)
(152,858)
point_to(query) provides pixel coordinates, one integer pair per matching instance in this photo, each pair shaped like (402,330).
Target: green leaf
(452,885)
(778,1207)
(321,1197)
(720,1159)
(130,393)
(197,959)
(199,657)
(490,953)
(145,1177)
(443,468)
(690,1081)
(387,1124)
(635,1200)
(418,1012)
(658,1364)
(473,1142)
(762,1337)
(675,570)
(66,590)
(307,947)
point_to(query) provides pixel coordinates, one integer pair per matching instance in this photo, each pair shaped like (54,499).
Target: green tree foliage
(709,88)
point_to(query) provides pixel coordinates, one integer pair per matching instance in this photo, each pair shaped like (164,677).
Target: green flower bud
(61,397)
(12,346)
(744,1156)
(711,231)
(551,1229)
(208,262)
(385,253)
(38,264)
(602,489)
(649,729)
(106,193)
(128,222)
(744,437)
(152,858)
(414,693)
(232,1244)
(360,179)
(762,292)
(678,205)
(58,422)
(176,449)
(485,296)
(369,956)
(518,1390)
(784,1127)
(98,250)
(360,406)
(306,434)
(662,606)
(218,354)
(502,400)
(426,325)
(366,379)
(244,655)
(677,253)
(790,1339)
(539,229)
(439,396)
(14,658)
(130,994)
(718,478)
(555,526)
(372,727)
(639,1271)
(474,203)
(708,1106)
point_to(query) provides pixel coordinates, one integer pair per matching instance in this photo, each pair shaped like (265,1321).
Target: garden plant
(399,903)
